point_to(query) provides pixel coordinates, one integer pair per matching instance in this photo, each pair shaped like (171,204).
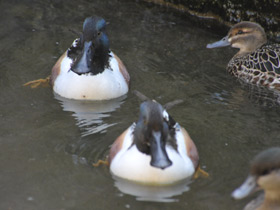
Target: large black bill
(159,155)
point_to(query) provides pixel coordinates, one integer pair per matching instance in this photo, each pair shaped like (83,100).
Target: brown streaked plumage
(256,62)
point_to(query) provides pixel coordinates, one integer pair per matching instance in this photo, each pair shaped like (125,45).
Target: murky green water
(47,144)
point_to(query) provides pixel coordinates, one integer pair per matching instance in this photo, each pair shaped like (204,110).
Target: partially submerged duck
(89,70)
(256,62)
(155,150)
(265,175)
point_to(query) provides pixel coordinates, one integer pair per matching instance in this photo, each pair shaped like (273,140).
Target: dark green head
(151,134)
(92,54)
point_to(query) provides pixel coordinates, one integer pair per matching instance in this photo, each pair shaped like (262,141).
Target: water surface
(47,145)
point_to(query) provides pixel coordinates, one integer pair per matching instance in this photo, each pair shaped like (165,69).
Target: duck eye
(240,32)
(99,33)
(266,171)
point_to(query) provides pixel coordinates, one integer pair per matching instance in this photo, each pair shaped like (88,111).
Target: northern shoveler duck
(256,62)
(264,174)
(89,70)
(155,150)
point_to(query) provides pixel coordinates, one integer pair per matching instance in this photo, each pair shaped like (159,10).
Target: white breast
(133,165)
(107,85)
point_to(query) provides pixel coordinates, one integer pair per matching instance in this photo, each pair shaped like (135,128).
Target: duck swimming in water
(155,150)
(265,175)
(89,70)
(256,62)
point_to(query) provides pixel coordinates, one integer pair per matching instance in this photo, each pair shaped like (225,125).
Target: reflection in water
(90,114)
(259,95)
(152,193)
(167,57)
(256,94)
(263,96)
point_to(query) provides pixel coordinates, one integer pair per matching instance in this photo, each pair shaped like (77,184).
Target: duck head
(264,174)
(247,36)
(91,54)
(151,134)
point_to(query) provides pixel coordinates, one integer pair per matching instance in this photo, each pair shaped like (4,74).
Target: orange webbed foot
(200,173)
(101,162)
(36,83)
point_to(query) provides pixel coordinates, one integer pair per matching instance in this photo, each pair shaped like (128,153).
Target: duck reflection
(258,95)
(90,114)
(152,193)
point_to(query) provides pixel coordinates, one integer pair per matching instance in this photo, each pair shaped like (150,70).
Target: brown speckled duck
(256,62)
(264,174)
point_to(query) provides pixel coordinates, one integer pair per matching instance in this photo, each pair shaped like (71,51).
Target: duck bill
(159,155)
(83,65)
(249,186)
(222,43)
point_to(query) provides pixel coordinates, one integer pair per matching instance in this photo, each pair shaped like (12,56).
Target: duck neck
(273,195)
(250,44)
(241,53)
(271,198)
